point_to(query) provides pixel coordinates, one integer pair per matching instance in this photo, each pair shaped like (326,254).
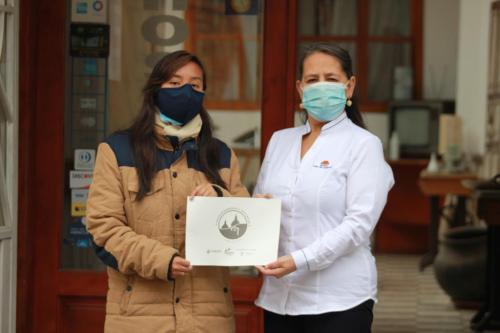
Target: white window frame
(9,52)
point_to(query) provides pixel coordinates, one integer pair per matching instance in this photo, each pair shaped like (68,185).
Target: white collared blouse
(331,202)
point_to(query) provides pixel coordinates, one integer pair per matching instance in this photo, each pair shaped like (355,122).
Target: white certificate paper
(232,231)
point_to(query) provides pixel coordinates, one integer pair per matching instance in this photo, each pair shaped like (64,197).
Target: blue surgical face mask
(324,101)
(179,105)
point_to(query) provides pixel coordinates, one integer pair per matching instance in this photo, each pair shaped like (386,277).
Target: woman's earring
(349,102)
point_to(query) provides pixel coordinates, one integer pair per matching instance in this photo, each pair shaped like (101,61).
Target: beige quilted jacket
(137,240)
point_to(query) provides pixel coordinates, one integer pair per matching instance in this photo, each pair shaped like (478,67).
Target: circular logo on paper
(233,223)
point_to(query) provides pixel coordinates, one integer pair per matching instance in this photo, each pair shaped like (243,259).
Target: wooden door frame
(41,135)
(278,73)
(41,149)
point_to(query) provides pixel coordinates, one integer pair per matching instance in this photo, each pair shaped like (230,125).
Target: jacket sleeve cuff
(169,269)
(301,263)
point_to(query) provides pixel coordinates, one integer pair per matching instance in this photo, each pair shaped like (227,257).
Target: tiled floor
(412,301)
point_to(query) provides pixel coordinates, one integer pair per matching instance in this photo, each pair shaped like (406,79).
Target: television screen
(412,126)
(417,125)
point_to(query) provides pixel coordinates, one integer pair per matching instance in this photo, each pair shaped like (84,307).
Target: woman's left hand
(204,190)
(281,267)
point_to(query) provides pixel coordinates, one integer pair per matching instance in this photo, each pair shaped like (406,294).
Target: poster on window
(89,11)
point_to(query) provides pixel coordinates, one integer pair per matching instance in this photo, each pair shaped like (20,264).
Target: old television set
(417,125)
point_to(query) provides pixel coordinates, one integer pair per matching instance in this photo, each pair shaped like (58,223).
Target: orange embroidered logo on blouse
(324,164)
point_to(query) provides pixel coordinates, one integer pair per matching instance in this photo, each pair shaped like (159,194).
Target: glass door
(104,90)
(107,65)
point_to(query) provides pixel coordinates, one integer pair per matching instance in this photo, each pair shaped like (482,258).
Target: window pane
(3,159)
(385,59)
(252,70)
(3,144)
(210,18)
(390,17)
(232,80)
(494,61)
(3,48)
(223,76)
(327,17)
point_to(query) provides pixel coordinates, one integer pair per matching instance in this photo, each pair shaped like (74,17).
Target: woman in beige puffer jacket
(136,208)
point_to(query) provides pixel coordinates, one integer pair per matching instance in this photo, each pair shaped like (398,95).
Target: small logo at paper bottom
(233,223)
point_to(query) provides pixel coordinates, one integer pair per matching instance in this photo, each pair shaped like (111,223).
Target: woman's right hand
(264,196)
(180,267)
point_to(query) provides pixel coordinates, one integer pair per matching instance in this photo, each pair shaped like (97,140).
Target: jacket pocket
(150,208)
(133,186)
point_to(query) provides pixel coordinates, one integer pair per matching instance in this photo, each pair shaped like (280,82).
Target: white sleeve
(261,179)
(368,183)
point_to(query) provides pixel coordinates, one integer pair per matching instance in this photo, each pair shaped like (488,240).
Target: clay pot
(460,265)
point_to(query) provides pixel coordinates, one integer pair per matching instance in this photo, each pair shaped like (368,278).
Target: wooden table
(488,209)
(437,185)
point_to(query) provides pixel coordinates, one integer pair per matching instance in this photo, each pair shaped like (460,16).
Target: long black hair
(344,58)
(142,133)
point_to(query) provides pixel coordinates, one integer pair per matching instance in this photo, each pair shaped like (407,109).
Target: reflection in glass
(327,17)
(230,47)
(389,18)
(383,61)
(210,18)
(223,77)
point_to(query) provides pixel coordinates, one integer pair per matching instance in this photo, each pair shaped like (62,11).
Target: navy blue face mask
(179,104)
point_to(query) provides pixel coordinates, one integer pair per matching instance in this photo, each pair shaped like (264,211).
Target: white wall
(440,48)
(472,75)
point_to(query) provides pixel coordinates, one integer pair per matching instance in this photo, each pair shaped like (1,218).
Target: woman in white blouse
(332,179)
